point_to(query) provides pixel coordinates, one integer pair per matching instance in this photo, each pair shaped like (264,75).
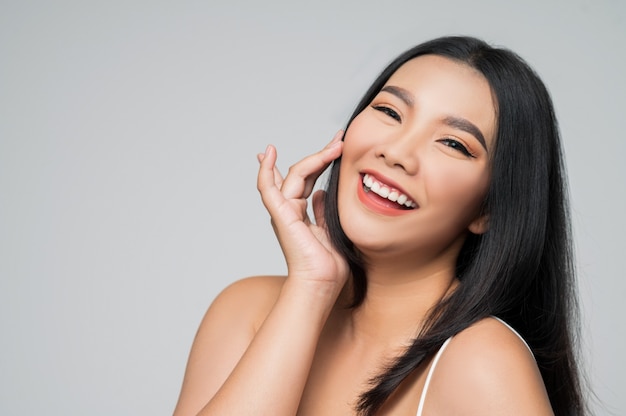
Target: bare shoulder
(487,369)
(249,300)
(225,332)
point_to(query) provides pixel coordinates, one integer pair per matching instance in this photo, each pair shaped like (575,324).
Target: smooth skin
(272,345)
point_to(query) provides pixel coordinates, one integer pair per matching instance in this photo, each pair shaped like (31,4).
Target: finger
(278,177)
(301,177)
(336,138)
(266,183)
(273,199)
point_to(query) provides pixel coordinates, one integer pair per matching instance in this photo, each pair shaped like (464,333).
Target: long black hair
(521,269)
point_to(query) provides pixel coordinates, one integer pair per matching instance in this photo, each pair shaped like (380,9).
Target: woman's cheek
(459,186)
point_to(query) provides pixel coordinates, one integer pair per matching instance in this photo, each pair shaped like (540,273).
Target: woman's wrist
(317,296)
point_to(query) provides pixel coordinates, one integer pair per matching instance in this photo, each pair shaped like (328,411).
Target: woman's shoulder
(250,298)
(490,361)
(255,286)
(492,337)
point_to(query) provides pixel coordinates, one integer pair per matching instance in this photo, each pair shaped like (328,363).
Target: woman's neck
(397,301)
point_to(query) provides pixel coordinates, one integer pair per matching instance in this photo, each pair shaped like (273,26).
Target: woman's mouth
(387,192)
(383,198)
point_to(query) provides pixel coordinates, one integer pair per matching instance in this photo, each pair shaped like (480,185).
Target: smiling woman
(437,276)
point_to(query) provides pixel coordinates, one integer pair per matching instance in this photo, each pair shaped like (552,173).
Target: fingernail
(336,138)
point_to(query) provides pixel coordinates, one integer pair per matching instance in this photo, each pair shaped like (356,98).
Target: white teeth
(385,192)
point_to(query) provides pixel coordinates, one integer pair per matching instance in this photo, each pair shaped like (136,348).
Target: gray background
(128,135)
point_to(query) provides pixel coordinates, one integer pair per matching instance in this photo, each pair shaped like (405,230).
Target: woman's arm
(224,334)
(271,374)
(227,331)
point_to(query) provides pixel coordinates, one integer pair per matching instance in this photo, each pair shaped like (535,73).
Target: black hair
(522,268)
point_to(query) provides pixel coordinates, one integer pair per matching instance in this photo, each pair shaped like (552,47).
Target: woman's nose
(400,152)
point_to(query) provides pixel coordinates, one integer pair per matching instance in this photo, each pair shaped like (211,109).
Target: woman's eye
(387,111)
(456,145)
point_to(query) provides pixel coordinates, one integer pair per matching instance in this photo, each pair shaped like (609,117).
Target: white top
(420,407)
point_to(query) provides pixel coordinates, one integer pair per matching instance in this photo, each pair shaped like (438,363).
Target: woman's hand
(237,372)
(305,244)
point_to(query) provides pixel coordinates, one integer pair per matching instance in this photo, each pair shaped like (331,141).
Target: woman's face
(415,165)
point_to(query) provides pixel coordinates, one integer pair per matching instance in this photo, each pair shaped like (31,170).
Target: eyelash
(456,145)
(388,111)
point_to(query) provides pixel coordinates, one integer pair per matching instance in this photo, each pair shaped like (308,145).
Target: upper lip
(387,181)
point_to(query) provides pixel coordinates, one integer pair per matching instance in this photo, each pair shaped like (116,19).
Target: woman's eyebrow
(467,126)
(452,121)
(401,93)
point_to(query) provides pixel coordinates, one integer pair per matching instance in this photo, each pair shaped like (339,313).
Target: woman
(445,221)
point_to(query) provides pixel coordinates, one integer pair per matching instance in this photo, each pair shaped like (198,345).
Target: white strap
(515,332)
(420,407)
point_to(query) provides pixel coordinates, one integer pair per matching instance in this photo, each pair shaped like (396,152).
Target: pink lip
(378,204)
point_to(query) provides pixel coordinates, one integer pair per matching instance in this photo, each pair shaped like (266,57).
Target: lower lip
(379,204)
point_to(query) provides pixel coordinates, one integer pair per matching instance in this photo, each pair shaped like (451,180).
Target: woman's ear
(480,225)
